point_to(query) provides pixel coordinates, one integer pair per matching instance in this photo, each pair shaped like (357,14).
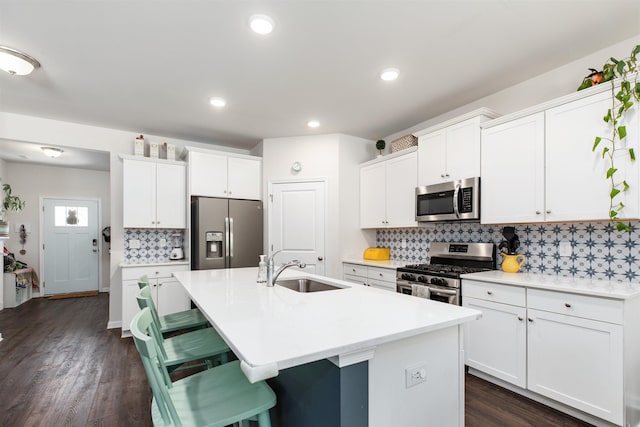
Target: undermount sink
(306,285)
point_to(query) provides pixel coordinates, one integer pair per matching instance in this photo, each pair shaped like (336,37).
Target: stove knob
(436,281)
(422,279)
(406,276)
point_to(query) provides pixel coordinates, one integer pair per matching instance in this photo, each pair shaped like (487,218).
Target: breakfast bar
(351,355)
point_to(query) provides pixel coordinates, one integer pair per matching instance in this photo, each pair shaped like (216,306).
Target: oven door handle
(442,292)
(456,210)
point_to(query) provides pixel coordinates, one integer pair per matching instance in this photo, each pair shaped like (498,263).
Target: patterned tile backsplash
(598,250)
(150,250)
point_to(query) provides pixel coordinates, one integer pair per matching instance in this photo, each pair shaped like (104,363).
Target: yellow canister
(512,263)
(377,254)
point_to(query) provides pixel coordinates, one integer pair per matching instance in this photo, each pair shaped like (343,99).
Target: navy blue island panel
(320,394)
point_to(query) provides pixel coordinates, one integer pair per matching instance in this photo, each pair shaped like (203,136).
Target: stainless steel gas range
(440,279)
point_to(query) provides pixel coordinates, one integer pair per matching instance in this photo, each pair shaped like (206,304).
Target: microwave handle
(455,200)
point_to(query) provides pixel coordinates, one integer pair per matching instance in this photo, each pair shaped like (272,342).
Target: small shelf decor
(10,203)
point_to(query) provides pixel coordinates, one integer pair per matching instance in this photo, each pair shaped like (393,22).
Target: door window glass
(71,216)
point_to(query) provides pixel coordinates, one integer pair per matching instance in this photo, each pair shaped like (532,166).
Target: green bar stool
(217,397)
(201,344)
(188,319)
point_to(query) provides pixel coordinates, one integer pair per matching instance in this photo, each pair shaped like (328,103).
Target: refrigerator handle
(226,240)
(231,237)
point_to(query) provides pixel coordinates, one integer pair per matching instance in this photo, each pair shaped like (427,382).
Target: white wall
(3,168)
(329,157)
(31,182)
(66,134)
(552,84)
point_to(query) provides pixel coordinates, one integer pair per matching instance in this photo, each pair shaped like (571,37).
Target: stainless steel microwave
(450,201)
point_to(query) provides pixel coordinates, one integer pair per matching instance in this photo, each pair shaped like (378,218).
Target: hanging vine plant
(625,73)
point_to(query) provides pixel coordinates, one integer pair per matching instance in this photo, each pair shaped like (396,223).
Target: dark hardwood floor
(59,366)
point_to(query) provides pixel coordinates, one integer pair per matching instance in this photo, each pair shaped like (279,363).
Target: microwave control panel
(466,200)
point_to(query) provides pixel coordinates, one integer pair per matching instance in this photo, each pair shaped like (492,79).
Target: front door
(71,247)
(297,223)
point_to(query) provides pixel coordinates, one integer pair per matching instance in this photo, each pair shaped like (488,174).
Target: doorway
(70,251)
(296,218)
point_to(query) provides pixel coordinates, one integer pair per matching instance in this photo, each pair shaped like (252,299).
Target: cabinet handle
(225,191)
(380,274)
(320,258)
(489,293)
(538,212)
(230,192)
(548,211)
(353,269)
(566,304)
(520,318)
(153,222)
(530,319)
(441,175)
(447,175)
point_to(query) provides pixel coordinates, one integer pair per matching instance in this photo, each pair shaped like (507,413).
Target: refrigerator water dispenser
(214,244)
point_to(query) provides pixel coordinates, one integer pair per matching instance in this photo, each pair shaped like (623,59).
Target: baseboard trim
(114,324)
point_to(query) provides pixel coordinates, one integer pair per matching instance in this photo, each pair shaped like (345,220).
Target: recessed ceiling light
(313,123)
(261,24)
(218,102)
(389,74)
(52,152)
(15,62)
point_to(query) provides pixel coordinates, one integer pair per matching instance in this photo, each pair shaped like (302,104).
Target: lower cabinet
(168,294)
(566,347)
(377,277)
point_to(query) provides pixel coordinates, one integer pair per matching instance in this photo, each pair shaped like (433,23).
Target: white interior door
(297,223)
(71,246)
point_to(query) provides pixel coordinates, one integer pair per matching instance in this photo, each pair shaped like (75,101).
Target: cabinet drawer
(503,294)
(152,272)
(387,286)
(354,269)
(383,274)
(588,307)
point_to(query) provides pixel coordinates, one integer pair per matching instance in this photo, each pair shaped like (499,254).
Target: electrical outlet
(415,374)
(565,249)
(403,244)
(134,244)
(163,243)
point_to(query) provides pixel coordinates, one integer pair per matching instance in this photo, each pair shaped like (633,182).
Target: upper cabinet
(154,194)
(387,191)
(541,167)
(451,150)
(217,174)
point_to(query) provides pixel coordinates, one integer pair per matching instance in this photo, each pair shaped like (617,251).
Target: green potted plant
(625,94)
(380,144)
(10,203)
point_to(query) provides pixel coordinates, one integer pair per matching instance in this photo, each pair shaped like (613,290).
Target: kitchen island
(344,357)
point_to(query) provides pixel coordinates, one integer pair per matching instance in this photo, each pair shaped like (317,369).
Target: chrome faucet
(273,276)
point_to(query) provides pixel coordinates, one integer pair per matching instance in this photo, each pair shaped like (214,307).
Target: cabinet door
(512,163)
(497,343)
(463,150)
(138,194)
(172,297)
(373,196)
(431,158)
(207,174)
(171,201)
(576,187)
(402,178)
(577,362)
(129,303)
(244,178)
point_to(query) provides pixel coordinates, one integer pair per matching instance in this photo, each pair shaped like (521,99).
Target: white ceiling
(25,152)
(150,66)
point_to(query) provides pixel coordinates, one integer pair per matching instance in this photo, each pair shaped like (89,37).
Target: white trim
(188,149)
(351,358)
(470,115)
(151,159)
(114,324)
(41,237)
(389,156)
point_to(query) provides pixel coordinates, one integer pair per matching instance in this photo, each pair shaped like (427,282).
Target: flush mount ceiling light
(17,63)
(261,24)
(52,152)
(313,123)
(389,74)
(218,102)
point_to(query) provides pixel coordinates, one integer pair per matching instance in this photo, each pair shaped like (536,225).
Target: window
(71,216)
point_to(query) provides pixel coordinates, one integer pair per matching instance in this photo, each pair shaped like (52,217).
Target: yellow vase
(512,263)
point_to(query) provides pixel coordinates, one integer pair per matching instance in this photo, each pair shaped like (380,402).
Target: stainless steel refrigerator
(225,233)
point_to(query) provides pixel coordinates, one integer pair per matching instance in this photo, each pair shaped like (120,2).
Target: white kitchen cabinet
(167,293)
(497,343)
(154,194)
(376,277)
(451,151)
(387,192)
(513,171)
(540,167)
(215,174)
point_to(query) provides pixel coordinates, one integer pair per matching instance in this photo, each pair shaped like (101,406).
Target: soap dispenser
(262,270)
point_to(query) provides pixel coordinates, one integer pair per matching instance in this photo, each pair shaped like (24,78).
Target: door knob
(320,259)
(95,250)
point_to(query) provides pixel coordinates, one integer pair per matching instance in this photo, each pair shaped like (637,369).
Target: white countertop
(600,288)
(154,264)
(390,264)
(279,327)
